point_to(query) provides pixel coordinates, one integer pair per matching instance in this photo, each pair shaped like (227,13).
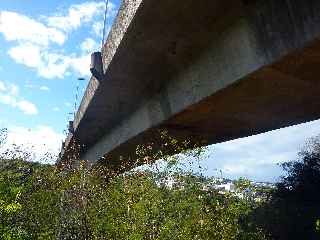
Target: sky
(46,47)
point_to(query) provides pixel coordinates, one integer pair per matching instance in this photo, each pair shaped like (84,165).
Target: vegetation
(293,211)
(40,201)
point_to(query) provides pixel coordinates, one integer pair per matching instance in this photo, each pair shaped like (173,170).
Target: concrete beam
(212,69)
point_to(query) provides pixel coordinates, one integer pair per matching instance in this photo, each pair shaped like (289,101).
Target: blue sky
(46,46)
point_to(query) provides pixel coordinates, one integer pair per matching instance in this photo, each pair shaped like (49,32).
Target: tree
(302,182)
(40,201)
(294,209)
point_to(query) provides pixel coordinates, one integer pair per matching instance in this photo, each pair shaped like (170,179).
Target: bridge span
(214,69)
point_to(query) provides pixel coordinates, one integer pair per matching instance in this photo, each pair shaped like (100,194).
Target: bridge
(210,69)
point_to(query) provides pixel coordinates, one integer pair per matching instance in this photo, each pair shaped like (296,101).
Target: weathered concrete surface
(212,69)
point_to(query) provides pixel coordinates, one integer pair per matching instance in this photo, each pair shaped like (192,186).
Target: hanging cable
(76,101)
(104,23)
(77,93)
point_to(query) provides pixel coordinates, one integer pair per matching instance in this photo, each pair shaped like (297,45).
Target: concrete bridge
(213,69)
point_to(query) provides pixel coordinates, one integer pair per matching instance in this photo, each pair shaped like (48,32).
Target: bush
(294,208)
(40,201)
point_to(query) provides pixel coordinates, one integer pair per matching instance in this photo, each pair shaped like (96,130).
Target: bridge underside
(212,70)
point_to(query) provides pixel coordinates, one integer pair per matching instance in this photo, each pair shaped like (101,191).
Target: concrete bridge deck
(213,69)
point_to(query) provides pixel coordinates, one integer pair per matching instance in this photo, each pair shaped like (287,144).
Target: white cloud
(41,140)
(2,87)
(256,157)
(68,104)
(79,14)
(27,54)
(8,100)
(17,27)
(13,89)
(88,46)
(81,65)
(48,64)
(97,28)
(11,98)
(53,65)
(29,85)
(37,41)
(34,86)
(56,109)
(44,88)
(27,107)
(57,65)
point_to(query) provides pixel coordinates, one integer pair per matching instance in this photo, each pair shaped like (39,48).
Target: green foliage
(12,175)
(42,202)
(243,184)
(134,207)
(294,208)
(80,205)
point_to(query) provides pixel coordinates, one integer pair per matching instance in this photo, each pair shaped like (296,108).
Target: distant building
(226,187)
(220,185)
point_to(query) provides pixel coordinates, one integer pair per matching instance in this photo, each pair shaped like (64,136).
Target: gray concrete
(214,70)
